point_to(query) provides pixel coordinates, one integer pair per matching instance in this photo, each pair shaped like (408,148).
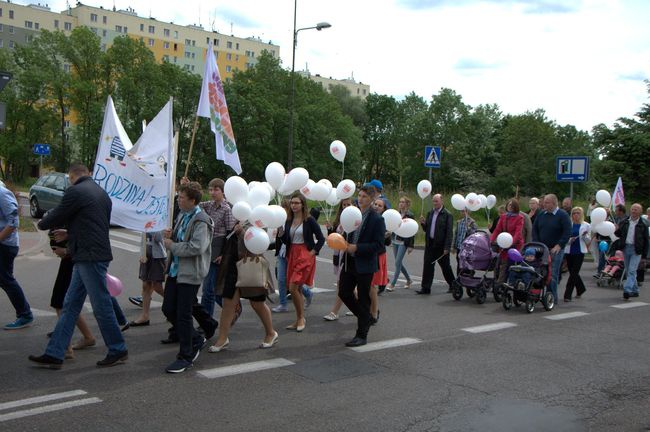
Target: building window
(186,67)
(0,12)
(66,123)
(66,68)
(237,57)
(364,92)
(237,46)
(229,45)
(37,26)
(29,38)
(175,47)
(152,29)
(93,17)
(56,24)
(207,40)
(141,27)
(175,34)
(28,24)
(216,42)
(187,54)
(192,67)
(11,29)
(272,53)
(118,28)
(104,19)
(175,59)
(228,69)
(187,42)
(94,30)
(166,32)
(248,53)
(228,56)
(1,28)
(1,43)
(11,44)
(11,16)
(166,58)
(166,45)
(151,42)
(193,43)
(103,47)
(126,29)
(104,33)
(193,55)
(67,26)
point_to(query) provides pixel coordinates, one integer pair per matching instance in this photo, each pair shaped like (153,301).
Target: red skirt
(381,276)
(301,266)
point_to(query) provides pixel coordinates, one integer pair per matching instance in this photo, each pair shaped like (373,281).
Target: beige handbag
(254,277)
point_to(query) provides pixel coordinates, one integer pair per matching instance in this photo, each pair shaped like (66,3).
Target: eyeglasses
(296,203)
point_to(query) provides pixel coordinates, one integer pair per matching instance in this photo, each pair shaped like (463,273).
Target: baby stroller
(476,255)
(528,281)
(612,273)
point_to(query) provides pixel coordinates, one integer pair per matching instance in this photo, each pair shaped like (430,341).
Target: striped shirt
(221,215)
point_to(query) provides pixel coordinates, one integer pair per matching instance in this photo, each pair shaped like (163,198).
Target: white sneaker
(280,309)
(331,317)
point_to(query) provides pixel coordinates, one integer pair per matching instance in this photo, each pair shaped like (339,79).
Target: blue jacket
(552,229)
(369,243)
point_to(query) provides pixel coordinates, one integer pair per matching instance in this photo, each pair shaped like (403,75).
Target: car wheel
(34,210)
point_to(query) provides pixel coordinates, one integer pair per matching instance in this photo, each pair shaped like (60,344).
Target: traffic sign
(572,168)
(42,149)
(432,156)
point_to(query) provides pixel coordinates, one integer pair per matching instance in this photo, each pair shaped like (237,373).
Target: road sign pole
(40,168)
(571,191)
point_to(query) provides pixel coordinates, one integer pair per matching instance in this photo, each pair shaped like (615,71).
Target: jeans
(9,284)
(632,260)
(281,275)
(119,315)
(177,307)
(399,251)
(208,296)
(88,278)
(601,261)
(556,272)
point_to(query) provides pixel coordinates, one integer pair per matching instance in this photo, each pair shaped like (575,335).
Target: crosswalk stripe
(374,346)
(40,399)
(629,305)
(48,408)
(224,371)
(489,327)
(134,238)
(42,313)
(126,246)
(564,316)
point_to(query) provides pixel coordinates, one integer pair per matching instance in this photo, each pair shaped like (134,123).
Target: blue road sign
(432,156)
(572,168)
(42,149)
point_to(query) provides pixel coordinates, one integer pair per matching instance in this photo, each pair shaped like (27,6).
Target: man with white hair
(633,231)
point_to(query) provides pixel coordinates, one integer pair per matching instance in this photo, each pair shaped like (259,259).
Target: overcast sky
(583,61)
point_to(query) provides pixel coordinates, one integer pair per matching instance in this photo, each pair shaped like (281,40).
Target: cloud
(548,7)
(530,6)
(469,64)
(634,76)
(238,19)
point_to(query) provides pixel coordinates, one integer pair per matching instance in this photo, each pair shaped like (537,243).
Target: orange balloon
(336,241)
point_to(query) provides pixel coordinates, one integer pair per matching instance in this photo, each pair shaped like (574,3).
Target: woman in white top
(575,251)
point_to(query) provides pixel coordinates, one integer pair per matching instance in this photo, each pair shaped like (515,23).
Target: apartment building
(357,89)
(183,45)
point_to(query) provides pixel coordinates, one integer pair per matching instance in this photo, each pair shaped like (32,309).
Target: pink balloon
(114,285)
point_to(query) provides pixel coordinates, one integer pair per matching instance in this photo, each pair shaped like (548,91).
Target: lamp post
(319,27)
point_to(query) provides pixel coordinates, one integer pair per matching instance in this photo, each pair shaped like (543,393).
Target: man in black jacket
(86,210)
(633,233)
(438,229)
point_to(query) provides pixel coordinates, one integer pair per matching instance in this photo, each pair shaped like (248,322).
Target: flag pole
(172,192)
(189,154)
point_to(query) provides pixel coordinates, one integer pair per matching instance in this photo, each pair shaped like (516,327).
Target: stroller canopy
(476,252)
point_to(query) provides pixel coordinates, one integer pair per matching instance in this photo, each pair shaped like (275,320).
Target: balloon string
(343,169)
(422,208)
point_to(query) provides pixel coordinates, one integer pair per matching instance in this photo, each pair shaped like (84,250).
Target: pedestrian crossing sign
(432,156)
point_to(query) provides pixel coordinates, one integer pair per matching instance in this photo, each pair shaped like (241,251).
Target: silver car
(47,193)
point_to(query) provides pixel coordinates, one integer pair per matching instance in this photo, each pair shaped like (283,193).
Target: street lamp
(319,27)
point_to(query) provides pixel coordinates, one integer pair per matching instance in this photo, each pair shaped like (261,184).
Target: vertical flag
(212,105)
(619,195)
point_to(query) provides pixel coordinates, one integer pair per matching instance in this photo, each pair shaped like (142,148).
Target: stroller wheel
(507,300)
(470,292)
(530,306)
(497,292)
(548,301)
(456,290)
(481,296)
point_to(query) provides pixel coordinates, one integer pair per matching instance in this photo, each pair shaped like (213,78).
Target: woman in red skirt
(304,239)
(380,278)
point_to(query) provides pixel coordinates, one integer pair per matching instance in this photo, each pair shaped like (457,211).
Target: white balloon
(598,215)
(350,218)
(259,196)
(262,216)
(424,188)
(483,200)
(241,211)
(392,219)
(256,240)
(338,150)
(408,228)
(297,178)
(604,198)
(472,202)
(252,185)
(345,189)
(326,182)
(272,233)
(606,228)
(458,202)
(279,216)
(319,192)
(306,189)
(235,189)
(491,201)
(274,174)
(504,240)
(332,198)
(269,187)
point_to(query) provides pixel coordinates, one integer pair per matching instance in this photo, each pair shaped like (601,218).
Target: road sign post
(572,169)
(41,150)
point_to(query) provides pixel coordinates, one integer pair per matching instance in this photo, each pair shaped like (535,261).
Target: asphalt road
(433,364)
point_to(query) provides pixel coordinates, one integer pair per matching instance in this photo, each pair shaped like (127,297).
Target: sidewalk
(30,242)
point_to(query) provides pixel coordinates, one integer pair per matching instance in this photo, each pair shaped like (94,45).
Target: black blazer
(310,229)
(444,230)
(369,243)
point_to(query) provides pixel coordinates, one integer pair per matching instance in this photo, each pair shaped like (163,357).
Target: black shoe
(125,327)
(47,361)
(169,340)
(197,347)
(373,320)
(634,294)
(567,300)
(138,324)
(422,292)
(113,359)
(136,301)
(381,289)
(626,296)
(357,341)
(180,365)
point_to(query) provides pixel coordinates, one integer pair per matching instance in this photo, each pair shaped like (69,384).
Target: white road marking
(567,315)
(316,290)
(629,305)
(224,371)
(48,408)
(125,246)
(489,327)
(133,238)
(374,346)
(40,399)
(42,313)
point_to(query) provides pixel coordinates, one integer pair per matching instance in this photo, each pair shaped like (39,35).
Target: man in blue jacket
(553,228)
(86,210)
(360,262)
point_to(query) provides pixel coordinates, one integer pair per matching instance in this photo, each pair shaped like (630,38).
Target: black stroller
(475,256)
(528,281)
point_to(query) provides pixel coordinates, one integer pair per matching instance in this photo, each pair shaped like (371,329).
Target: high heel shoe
(265,345)
(219,348)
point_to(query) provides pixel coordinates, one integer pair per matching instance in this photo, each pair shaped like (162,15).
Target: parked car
(47,193)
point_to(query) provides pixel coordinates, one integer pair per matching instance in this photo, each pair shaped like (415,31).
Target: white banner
(140,198)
